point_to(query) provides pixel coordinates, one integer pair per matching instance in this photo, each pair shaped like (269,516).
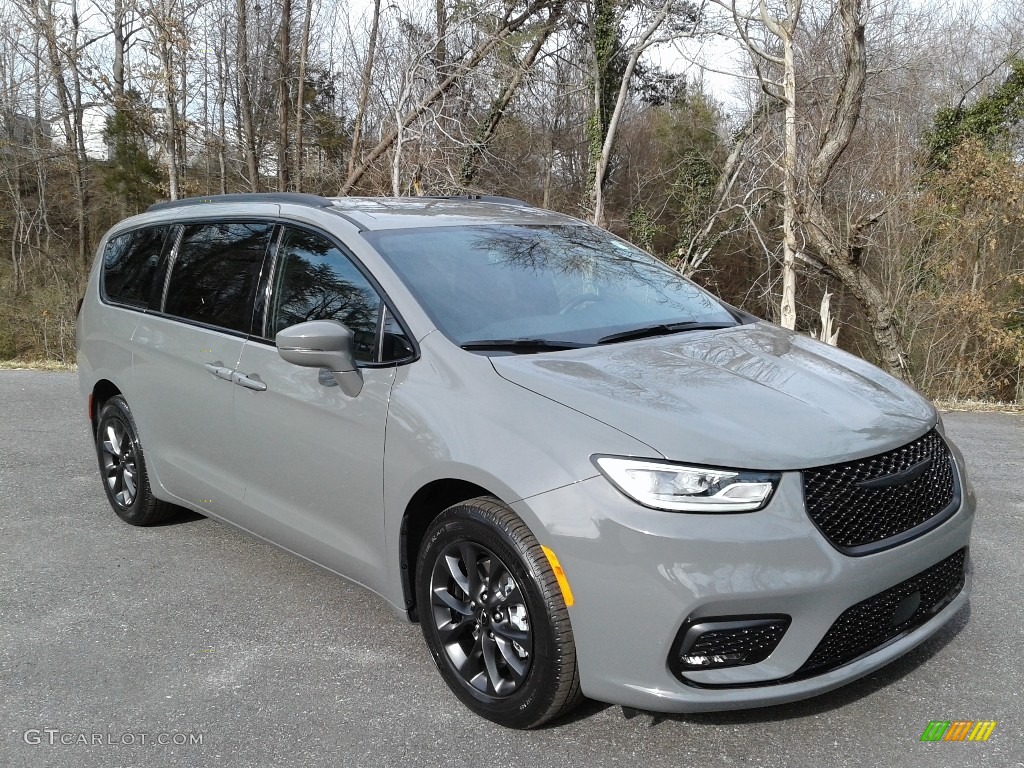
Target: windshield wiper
(663,329)
(520,345)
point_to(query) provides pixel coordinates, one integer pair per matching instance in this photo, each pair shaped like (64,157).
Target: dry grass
(37,365)
(979,406)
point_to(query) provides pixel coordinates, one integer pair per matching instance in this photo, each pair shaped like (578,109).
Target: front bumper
(638,574)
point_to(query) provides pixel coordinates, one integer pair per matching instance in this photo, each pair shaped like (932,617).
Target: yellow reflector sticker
(563,582)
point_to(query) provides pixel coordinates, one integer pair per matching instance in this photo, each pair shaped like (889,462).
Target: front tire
(494,618)
(123,467)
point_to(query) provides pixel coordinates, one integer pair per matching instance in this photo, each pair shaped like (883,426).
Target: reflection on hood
(754,396)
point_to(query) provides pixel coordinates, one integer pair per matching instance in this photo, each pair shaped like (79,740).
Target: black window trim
(386,304)
(172,259)
(265,291)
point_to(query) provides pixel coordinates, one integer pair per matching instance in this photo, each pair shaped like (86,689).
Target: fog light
(697,661)
(728,641)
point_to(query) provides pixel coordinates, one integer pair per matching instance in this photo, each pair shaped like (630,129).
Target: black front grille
(870,504)
(873,622)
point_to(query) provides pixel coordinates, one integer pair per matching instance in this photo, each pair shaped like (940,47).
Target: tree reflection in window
(316,281)
(215,276)
(131,263)
(573,283)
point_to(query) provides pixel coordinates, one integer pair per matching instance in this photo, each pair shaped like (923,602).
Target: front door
(313,456)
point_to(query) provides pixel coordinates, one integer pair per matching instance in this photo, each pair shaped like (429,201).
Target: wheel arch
(423,508)
(102,390)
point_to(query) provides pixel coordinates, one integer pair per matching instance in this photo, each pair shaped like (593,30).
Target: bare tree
(644,40)
(247,132)
(170,41)
(354,158)
(284,64)
(486,130)
(222,97)
(300,92)
(762,33)
(63,52)
(810,156)
(508,24)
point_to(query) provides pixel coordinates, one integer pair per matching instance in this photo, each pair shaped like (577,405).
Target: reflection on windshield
(572,283)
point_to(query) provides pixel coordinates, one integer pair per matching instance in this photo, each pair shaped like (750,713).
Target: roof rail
(483,199)
(296,198)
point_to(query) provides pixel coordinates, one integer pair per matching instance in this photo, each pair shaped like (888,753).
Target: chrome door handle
(249,382)
(218,370)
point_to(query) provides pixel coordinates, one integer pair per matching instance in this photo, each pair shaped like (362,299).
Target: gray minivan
(582,474)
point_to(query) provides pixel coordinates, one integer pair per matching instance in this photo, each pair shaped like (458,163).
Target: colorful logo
(958,730)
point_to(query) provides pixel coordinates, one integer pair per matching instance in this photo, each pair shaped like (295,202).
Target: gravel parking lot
(123,638)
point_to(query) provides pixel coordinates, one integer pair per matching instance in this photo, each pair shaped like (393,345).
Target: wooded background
(858,172)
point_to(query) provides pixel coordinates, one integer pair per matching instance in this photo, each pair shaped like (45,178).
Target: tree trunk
(787,311)
(283,95)
(222,95)
(608,140)
(248,134)
(884,330)
(69,101)
(441,44)
(396,155)
(120,44)
(840,252)
(181,108)
(300,93)
(166,43)
(364,90)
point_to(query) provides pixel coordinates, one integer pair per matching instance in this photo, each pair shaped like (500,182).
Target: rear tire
(494,618)
(123,467)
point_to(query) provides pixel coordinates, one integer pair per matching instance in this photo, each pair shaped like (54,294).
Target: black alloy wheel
(493,616)
(123,467)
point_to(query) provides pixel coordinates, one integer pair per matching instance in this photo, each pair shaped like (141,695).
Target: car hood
(754,396)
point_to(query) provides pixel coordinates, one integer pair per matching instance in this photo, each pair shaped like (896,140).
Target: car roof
(377,213)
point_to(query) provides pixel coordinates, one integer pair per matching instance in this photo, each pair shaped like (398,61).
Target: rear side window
(316,281)
(216,272)
(131,263)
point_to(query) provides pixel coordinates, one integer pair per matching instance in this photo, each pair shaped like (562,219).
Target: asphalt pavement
(191,644)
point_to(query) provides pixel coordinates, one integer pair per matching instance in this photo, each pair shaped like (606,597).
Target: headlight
(679,488)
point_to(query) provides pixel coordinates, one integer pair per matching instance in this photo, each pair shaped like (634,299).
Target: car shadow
(180,516)
(826,702)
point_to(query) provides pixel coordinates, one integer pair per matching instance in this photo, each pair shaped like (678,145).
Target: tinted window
(316,281)
(216,272)
(566,283)
(131,264)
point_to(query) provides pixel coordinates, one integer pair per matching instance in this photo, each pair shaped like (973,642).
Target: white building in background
(94,122)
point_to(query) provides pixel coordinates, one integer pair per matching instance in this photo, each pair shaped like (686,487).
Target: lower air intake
(873,622)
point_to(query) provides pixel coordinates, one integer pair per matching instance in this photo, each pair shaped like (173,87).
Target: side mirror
(322,344)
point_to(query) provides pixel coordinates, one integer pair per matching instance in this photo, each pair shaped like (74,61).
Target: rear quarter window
(131,265)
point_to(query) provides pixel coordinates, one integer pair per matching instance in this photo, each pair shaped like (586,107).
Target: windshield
(570,285)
